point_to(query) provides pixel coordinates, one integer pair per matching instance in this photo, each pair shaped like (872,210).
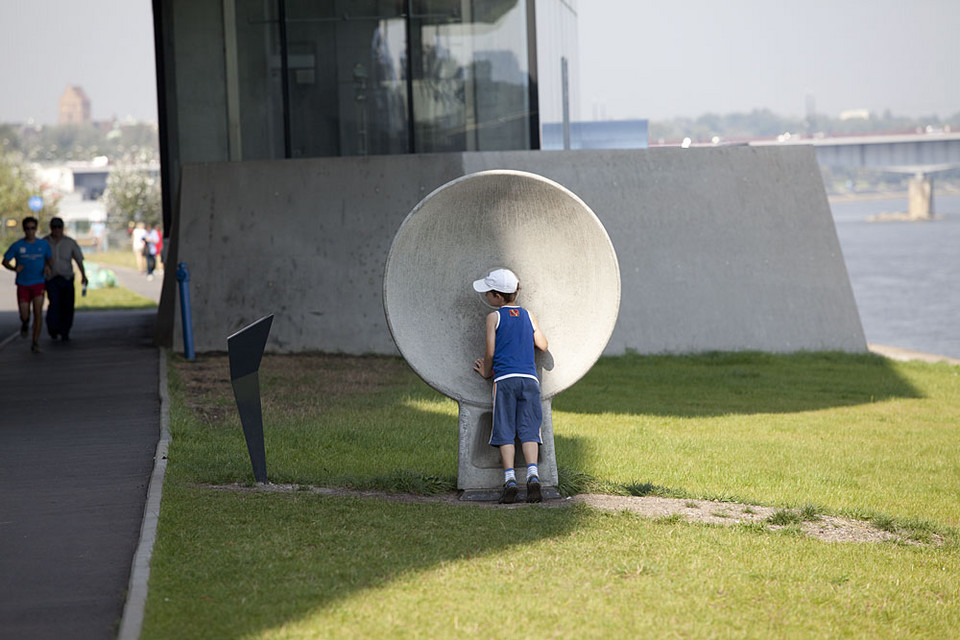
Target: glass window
(367,77)
(259,86)
(470,75)
(345,69)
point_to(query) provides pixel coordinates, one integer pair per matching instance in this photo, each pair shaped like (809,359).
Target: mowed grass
(850,434)
(116,257)
(109,298)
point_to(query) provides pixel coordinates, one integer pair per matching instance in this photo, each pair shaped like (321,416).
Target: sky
(654,59)
(660,59)
(104,46)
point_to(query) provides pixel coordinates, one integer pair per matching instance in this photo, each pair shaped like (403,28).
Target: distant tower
(74,107)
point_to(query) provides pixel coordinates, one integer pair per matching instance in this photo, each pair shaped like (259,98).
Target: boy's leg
(509,493)
(529,420)
(531,454)
(507,454)
(502,436)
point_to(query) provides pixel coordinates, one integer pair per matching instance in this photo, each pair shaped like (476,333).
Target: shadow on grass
(239,564)
(231,565)
(733,383)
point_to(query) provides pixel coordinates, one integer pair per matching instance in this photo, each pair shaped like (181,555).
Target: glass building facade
(314,78)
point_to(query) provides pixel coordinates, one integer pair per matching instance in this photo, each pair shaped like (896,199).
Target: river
(905,275)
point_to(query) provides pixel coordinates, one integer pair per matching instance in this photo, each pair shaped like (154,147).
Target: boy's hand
(478,367)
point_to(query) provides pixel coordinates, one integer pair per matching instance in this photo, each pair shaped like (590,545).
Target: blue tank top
(513,355)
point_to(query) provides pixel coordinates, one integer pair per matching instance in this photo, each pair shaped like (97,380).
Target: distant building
(74,107)
(855,114)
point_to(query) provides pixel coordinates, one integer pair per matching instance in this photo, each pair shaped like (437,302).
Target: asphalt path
(79,425)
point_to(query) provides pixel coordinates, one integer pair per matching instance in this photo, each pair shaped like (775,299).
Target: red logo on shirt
(514,313)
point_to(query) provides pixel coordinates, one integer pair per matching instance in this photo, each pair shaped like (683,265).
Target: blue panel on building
(605,134)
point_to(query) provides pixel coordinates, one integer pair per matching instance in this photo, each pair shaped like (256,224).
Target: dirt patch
(825,528)
(289,383)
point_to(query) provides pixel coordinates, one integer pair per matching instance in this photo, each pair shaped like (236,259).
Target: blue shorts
(516,411)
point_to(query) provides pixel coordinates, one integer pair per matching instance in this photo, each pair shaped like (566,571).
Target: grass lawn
(114,257)
(109,298)
(853,435)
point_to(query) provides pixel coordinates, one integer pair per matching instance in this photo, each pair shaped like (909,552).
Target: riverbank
(873,196)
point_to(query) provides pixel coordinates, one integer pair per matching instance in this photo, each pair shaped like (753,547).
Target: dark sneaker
(35,347)
(533,489)
(24,329)
(509,494)
(65,337)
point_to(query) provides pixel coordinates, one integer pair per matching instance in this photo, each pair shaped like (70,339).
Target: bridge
(920,154)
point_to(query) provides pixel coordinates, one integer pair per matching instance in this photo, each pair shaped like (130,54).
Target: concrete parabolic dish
(569,278)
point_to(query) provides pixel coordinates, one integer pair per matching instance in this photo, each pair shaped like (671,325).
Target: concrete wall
(719,249)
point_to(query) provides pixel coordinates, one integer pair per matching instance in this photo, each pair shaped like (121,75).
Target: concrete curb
(131,621)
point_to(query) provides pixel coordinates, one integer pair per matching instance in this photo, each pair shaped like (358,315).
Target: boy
(512,333)
(33,262)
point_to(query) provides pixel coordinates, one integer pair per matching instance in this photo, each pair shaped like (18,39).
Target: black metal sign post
(246,350)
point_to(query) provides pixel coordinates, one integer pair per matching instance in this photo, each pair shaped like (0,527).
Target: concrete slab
(719,249)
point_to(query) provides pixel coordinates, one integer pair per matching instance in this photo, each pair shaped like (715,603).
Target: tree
(17,185)
(132,195)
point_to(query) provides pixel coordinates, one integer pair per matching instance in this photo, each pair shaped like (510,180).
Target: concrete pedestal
(479,472)
(920,197)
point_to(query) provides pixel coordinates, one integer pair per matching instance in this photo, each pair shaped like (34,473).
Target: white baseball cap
(502,280)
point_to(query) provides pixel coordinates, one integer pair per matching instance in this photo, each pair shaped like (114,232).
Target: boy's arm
(484,365)
(539,340)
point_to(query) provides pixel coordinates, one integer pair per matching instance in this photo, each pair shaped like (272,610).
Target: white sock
(532,471)
(508,475)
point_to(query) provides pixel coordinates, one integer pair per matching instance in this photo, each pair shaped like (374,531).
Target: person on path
(137,233)
(60,290)
(30,257)
(150,242)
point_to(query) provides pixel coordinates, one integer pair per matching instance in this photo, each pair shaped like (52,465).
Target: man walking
(30,258)
(60,289)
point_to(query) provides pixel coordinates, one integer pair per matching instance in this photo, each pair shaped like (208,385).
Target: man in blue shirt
(31,259)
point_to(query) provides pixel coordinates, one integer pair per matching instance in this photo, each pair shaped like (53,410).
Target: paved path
(79,425)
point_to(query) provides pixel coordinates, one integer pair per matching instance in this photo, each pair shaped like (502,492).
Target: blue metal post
(183,277)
